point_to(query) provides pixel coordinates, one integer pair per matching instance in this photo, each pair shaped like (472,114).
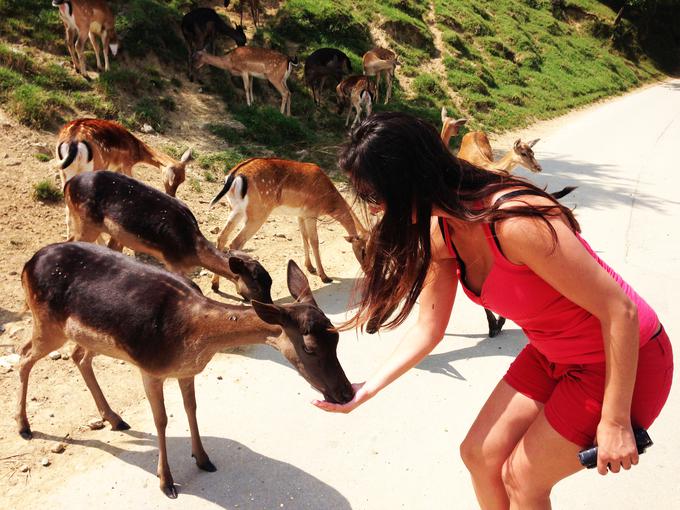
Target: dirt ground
(60,406)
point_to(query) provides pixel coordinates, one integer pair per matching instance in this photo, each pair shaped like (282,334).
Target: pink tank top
(560,329)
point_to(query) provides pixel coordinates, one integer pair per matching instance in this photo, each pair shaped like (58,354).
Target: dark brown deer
(322,65)
(200,28)
(110,304)
(147,220)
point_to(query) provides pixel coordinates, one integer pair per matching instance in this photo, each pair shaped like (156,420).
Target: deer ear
(461,122)
(518,142)
(298,285)
(444,115)
(187,156)
(533,142)
(236,265)
(271,314)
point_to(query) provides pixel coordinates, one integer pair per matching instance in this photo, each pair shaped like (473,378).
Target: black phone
(588,457)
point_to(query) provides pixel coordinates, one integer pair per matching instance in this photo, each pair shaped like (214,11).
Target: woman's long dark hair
(399,161)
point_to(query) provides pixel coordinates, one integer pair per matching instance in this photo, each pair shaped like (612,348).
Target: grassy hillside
(501,63)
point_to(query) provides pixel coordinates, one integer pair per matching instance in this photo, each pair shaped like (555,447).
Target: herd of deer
(158,320)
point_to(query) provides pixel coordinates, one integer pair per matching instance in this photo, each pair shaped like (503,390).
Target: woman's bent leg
(541,459)
(503,420)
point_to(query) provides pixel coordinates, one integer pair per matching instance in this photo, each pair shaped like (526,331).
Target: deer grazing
(377,62)
(450,127)
(83,19)
(249,62)
(356,93)
(201,26)
(258,187)
(107,303)
(325,64)
(475,149)
(146,220)
(85,145)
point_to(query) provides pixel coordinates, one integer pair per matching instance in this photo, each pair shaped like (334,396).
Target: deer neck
(506,164)
(344,215)
(446,136)
(156,158)
(221,62)
(221,326)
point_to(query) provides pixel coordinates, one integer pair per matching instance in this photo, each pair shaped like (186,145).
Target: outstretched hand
(360,396)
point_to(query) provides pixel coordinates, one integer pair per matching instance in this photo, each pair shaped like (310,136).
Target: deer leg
(106,49)
(389,77)
(313,235)
(80,51)
(33,350)
(234,219)
(495,325)
(154,394)
(349,113)
(95,46)
(305,245)
(83,360)
(71,35)
(197,451)
(252,225)
(377,86)
(246,87)
(285,96)
(84,233)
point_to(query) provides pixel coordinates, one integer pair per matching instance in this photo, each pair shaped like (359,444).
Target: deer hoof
(326,279)
(170,491)
(206,465)
(26,433)
(121,425)
(215,286)
(311,269)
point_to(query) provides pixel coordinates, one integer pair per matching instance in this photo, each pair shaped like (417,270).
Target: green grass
(46,191)
(43,158)
(509,63)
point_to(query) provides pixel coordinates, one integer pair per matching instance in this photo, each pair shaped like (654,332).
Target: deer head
(197,59)
(308,341)
(239,35)
(176,173)
(523,155)
(252,279)
(450,126)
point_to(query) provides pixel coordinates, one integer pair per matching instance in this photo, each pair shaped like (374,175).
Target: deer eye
(308,350)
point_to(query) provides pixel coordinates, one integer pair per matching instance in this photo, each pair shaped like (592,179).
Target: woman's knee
(520,485)
(476,459)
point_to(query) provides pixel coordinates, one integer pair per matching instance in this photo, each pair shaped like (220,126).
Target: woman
(598,361)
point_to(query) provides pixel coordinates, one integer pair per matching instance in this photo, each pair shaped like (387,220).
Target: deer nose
(346,394)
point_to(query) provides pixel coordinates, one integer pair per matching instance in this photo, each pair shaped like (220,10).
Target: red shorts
(573,394)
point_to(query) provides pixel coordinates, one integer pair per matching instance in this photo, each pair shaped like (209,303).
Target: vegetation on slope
(501,63)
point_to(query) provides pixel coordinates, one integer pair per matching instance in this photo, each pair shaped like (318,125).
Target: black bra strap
(508,196)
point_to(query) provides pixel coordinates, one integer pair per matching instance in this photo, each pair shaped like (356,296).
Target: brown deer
(355,93)
(475,149)
(258,187)
(147,220)
(107,303)
(88,18)
(201,26)
(377,62)
(325,64)
(94,144)
(250,62)
(450,126)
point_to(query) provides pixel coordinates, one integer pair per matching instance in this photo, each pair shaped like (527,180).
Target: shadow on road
(508,343)
(244,478)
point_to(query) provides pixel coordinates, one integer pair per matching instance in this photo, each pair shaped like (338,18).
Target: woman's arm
(436,300)
(574,273)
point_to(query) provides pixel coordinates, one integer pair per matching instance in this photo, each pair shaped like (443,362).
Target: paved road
(274,450)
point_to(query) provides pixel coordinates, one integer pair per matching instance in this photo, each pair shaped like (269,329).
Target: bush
(46,191)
